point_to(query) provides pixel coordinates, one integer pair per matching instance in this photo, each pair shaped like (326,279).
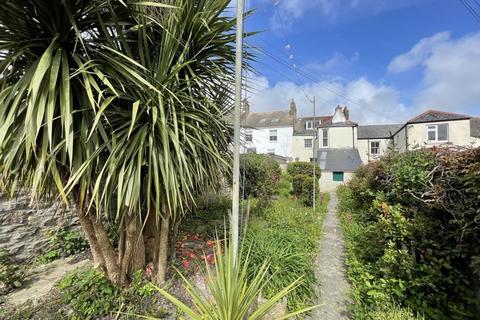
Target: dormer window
(309,125)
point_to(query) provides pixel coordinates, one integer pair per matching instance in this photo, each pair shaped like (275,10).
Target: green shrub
(11,272)
(297,184)
(259,177)
(63,243)
(304,168)
(307,191)
(411,228)
(90,295)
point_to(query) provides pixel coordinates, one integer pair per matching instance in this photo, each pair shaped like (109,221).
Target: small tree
(259,175)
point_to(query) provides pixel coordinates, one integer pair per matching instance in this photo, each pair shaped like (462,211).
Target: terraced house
(341,145)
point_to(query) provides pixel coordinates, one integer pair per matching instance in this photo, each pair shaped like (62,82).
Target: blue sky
(386,60)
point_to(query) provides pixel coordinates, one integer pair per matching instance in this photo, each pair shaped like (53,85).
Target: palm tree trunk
(163,251)
(108,252)
(87,227)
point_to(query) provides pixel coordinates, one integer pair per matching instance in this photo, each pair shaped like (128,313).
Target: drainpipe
(406,137)
(368,150)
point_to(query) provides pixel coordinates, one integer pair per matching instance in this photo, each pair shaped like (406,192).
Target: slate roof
(299,127)
(383,131)
(331,159)
(435,115)
(475,127)
(281,118)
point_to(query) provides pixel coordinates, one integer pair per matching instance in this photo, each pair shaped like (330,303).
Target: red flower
(185,264)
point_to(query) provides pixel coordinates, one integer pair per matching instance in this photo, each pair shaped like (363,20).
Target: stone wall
(23,227)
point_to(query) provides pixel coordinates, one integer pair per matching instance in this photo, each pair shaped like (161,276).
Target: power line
(471,10)
(320,83)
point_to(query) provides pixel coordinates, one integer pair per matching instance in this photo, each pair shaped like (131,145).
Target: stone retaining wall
(23,227)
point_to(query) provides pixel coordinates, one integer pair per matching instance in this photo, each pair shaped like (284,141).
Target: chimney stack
(293,109)
(339,115)
(346,112)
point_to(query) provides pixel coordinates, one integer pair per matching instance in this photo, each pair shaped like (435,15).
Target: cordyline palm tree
(120,107)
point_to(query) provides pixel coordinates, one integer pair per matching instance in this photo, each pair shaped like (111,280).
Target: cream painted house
(304,141)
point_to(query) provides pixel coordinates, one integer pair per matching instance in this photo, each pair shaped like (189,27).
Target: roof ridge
(436,111)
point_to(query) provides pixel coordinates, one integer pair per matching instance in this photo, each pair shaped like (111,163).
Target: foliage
(411,226)
(393,312)
(305,168)
(90,295)
(297,184)
(63,243)
(307,191)
(259,177)
(118,106)
(11,272)
(233,295)
(287,233)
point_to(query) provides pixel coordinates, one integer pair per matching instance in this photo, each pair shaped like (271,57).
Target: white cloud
(419,52)
(451,72)
(337,62)
(368,102)
(330,11)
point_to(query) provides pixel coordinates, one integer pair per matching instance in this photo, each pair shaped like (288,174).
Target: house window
(307,143)
(437,132)
(337,176)
(273,135)
(325,137)
(248,135)
(309,125)
(312,160)
(251,150)
(374,147)
(271,151)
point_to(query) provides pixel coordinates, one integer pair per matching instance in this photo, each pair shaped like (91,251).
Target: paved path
(333,286)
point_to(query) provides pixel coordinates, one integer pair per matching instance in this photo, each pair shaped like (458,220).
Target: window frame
(273,133)
(309,125)
(336,173)
(324,138)
(305,143)
(370,147)
(435,128)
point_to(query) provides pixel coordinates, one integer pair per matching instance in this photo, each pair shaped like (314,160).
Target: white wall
(326,180)
(338,137)
(298,148)
(363,146)
(262,144)
(458,134)
(475,142)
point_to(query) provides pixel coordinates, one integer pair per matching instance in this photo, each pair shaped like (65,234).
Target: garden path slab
(330,270)
(41,280)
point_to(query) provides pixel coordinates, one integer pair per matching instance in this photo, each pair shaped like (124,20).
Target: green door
(338,176)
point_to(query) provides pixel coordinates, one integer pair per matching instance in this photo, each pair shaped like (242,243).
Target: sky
(387,60)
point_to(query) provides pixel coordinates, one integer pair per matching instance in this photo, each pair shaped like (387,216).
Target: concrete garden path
(333,286)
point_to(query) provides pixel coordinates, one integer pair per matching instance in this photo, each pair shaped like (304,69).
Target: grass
(287,234)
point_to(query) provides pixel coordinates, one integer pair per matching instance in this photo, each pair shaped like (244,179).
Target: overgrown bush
(11,272)
(63,243)
(297,184)
(304,168)
(259,177)
(411,225)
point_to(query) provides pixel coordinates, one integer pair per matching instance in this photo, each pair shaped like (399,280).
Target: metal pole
(236,150)
(315,138)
